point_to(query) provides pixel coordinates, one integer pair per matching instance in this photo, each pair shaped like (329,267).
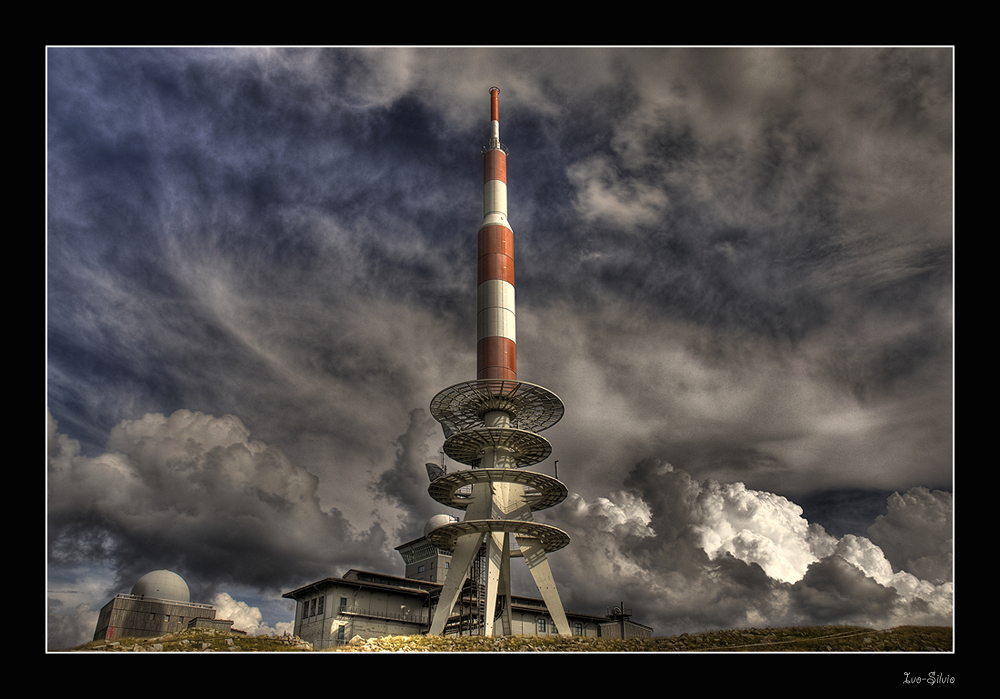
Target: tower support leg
(494,563)
(504,588)
(461,561)
(538,564)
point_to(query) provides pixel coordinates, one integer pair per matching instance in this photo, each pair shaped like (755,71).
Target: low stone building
(611,628)
(160,603)
(332,611)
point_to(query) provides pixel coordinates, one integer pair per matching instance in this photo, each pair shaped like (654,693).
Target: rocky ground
(793,639)
(199,641)
(806,638)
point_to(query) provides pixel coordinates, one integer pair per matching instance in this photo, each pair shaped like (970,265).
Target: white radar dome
(162,584)
(438,521)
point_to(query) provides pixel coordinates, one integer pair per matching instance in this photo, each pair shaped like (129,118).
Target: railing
(142,598)
(383,614)
(487,148)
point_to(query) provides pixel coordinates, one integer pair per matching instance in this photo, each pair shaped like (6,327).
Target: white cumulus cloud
(703,554)
(245,617)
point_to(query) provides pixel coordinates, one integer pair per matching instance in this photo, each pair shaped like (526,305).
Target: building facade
(624,629)
(332,611)
(130,616)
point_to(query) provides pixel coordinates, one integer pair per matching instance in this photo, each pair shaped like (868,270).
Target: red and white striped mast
(496,348)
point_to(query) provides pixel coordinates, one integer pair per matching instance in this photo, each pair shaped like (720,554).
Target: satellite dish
(434,471)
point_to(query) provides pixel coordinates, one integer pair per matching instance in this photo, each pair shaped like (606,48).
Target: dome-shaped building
(160,603)
(438,521)
(162,584)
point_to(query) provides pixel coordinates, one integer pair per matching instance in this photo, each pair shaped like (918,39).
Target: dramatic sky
(733,265)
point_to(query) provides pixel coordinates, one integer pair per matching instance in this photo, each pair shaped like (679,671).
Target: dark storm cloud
(239,174)
(835,592)
(916,533)
(191,492)
(405,483)
(735,261)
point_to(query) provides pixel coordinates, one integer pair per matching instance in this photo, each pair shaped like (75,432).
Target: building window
(320,609)
(340,633)
(540,625)
(578,628)
(421,569)
(343,604)
(312,607)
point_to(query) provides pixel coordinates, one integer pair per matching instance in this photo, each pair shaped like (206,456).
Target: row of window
(422,568)
(314,607)
(166,617)
(543,624)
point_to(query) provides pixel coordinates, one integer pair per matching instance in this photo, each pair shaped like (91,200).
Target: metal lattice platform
(446,537)
(463,406)
(525,448)
(548,491)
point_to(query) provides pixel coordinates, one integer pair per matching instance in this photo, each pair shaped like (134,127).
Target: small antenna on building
(621,615)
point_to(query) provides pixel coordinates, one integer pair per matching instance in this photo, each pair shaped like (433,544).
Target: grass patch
(792,639)
(829,639)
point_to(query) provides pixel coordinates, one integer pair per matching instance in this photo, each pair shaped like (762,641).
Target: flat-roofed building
(160,603)
(332,611)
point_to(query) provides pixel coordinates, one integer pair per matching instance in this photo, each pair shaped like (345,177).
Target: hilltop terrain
(792,639)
